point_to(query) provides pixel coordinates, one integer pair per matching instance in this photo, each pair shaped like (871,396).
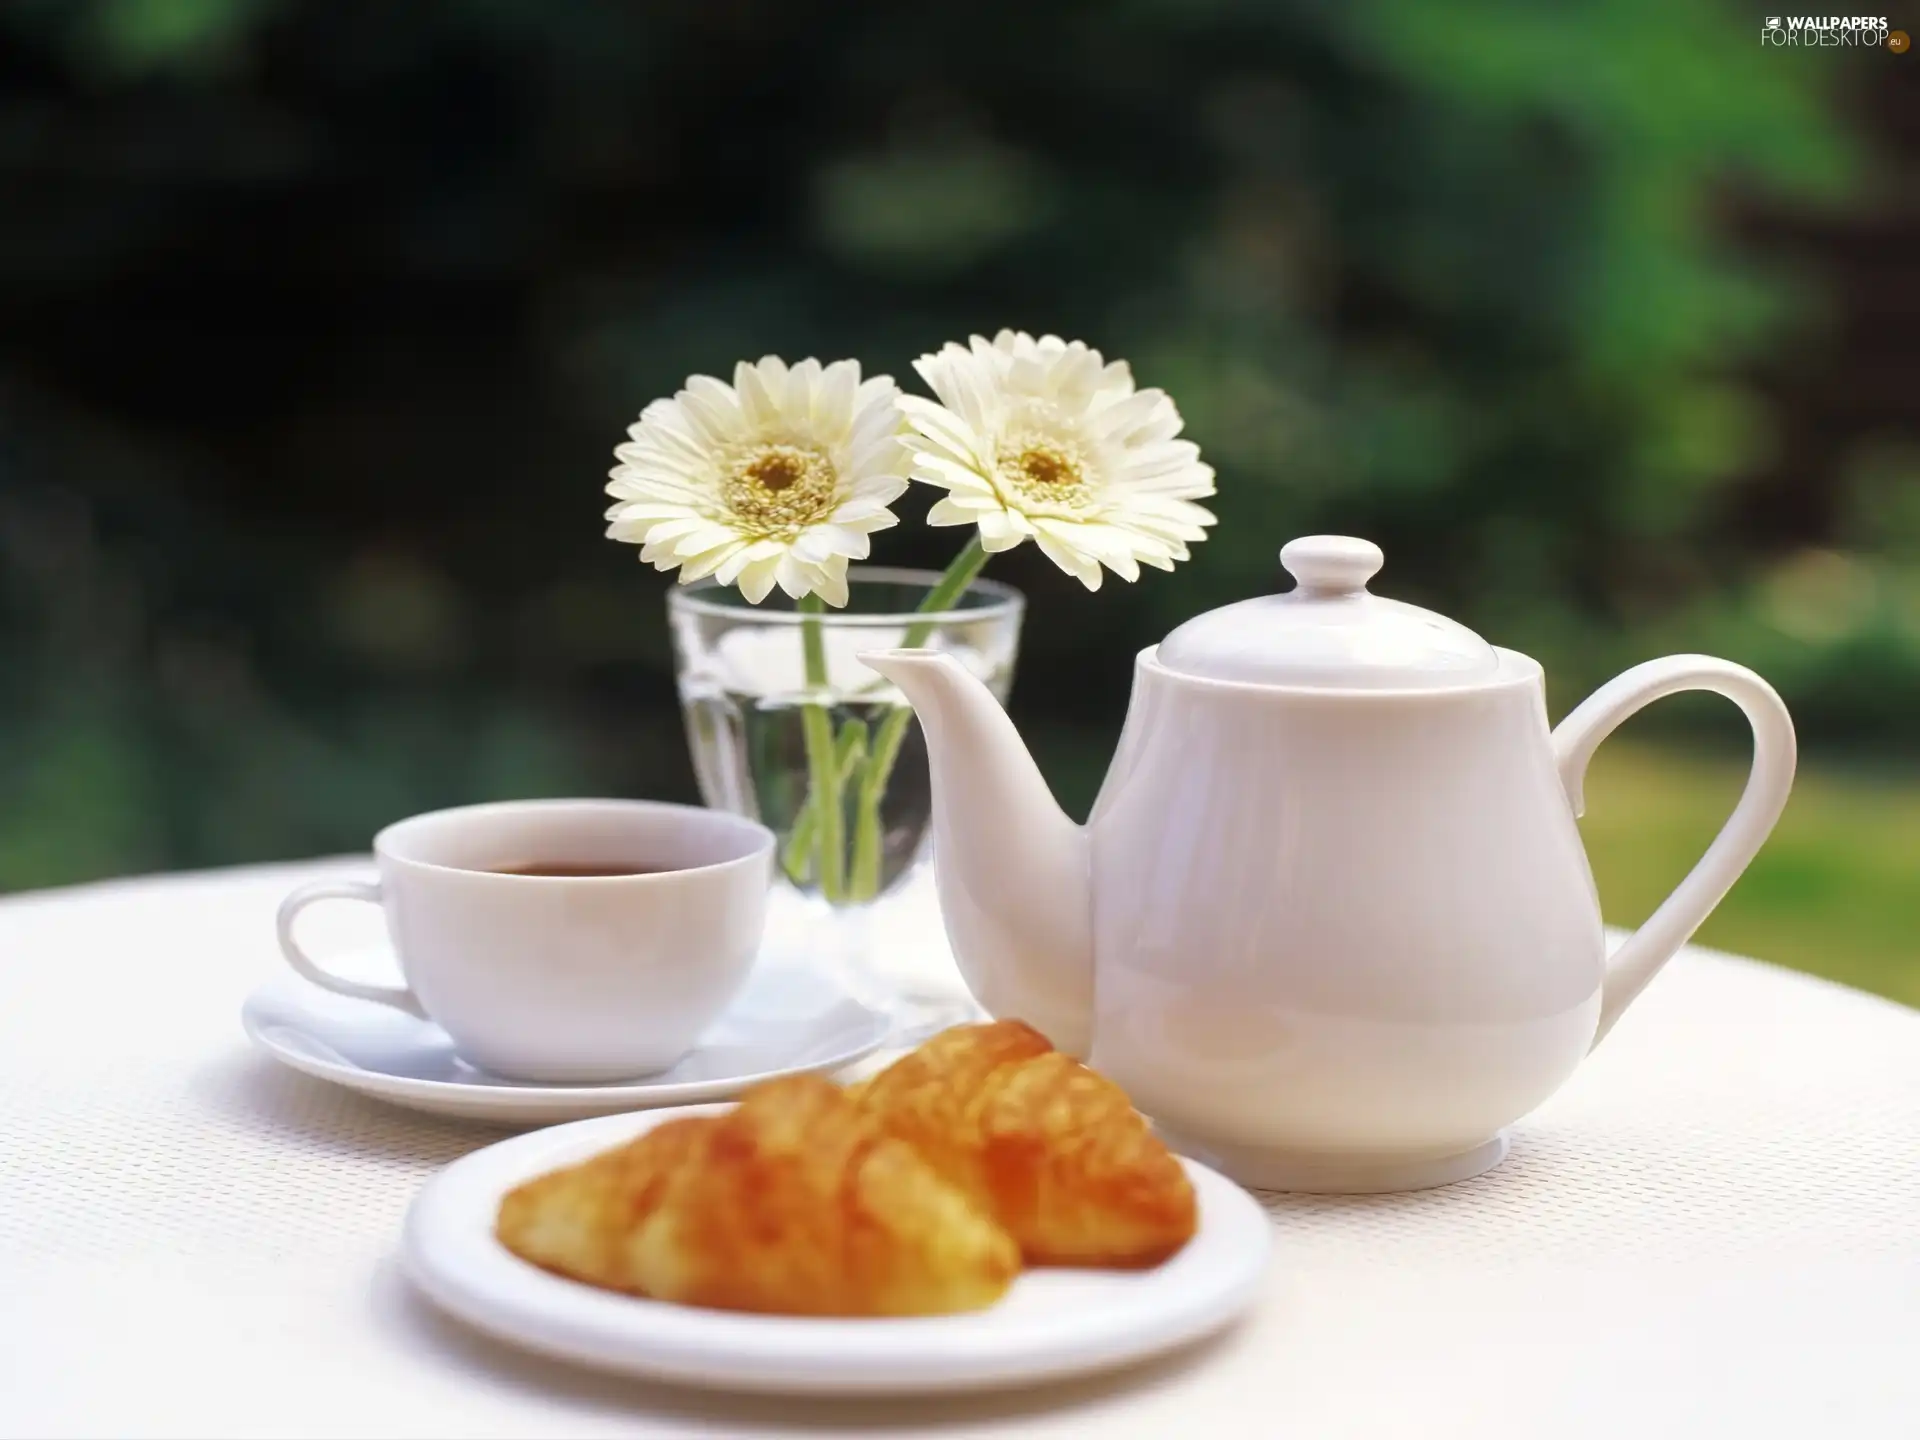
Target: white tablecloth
(1714,1230)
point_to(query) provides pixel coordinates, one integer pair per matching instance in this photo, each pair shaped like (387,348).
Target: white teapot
(1330,922)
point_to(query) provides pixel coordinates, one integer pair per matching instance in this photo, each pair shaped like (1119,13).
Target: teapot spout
(1010,866)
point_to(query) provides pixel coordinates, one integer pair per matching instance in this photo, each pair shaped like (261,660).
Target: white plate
(789,1018)
(1053,1324)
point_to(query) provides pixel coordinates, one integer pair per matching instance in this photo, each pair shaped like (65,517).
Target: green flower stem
(830,861)
(960,573)
(848,753)
(849,757)
(864,883)
(796,857)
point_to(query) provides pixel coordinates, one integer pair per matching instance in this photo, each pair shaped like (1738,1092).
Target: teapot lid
(1328,631)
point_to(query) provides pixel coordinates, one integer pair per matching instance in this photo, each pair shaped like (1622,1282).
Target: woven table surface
(1713,1229)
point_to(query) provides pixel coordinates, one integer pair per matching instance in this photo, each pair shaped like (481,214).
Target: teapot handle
(1641,955)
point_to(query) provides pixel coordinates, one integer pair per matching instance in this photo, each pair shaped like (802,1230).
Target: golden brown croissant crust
(577,1221)
(795,1202)
(1053,1150)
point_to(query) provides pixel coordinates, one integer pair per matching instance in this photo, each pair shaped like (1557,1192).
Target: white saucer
(1053,1324)
(789,1018)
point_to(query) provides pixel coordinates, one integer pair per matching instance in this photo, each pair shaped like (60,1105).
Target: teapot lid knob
(1331,564)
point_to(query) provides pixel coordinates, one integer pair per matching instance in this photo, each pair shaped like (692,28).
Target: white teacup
(565,979)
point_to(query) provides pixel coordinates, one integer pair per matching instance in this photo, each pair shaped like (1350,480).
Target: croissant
(1050,1148)
(795,1202)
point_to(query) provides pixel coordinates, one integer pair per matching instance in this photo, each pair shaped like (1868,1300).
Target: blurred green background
(321,320)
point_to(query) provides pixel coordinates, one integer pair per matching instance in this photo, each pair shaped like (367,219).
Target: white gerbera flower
(1043,440)
(778,478)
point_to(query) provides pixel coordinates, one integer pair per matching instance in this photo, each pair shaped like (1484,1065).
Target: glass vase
(787,726)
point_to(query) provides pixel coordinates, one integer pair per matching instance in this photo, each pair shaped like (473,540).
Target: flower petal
(714,410)
(794,575)
(966,385)
(802,380)
(1107,544)
(945,512)
(1002,530)
(654,530)
(867,524)
(760,387)
(1083,569)
(708,537)
(701,566)
(647,510)
(756,579)
(960,479)
(935,426)
(830,583)
(833,403)
(821,543)
(885,457)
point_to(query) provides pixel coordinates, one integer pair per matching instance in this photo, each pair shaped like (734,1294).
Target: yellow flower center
(779,490)
(1048,474)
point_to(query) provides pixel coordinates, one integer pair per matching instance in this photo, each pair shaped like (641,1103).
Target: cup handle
(398,996)
(1575,739)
